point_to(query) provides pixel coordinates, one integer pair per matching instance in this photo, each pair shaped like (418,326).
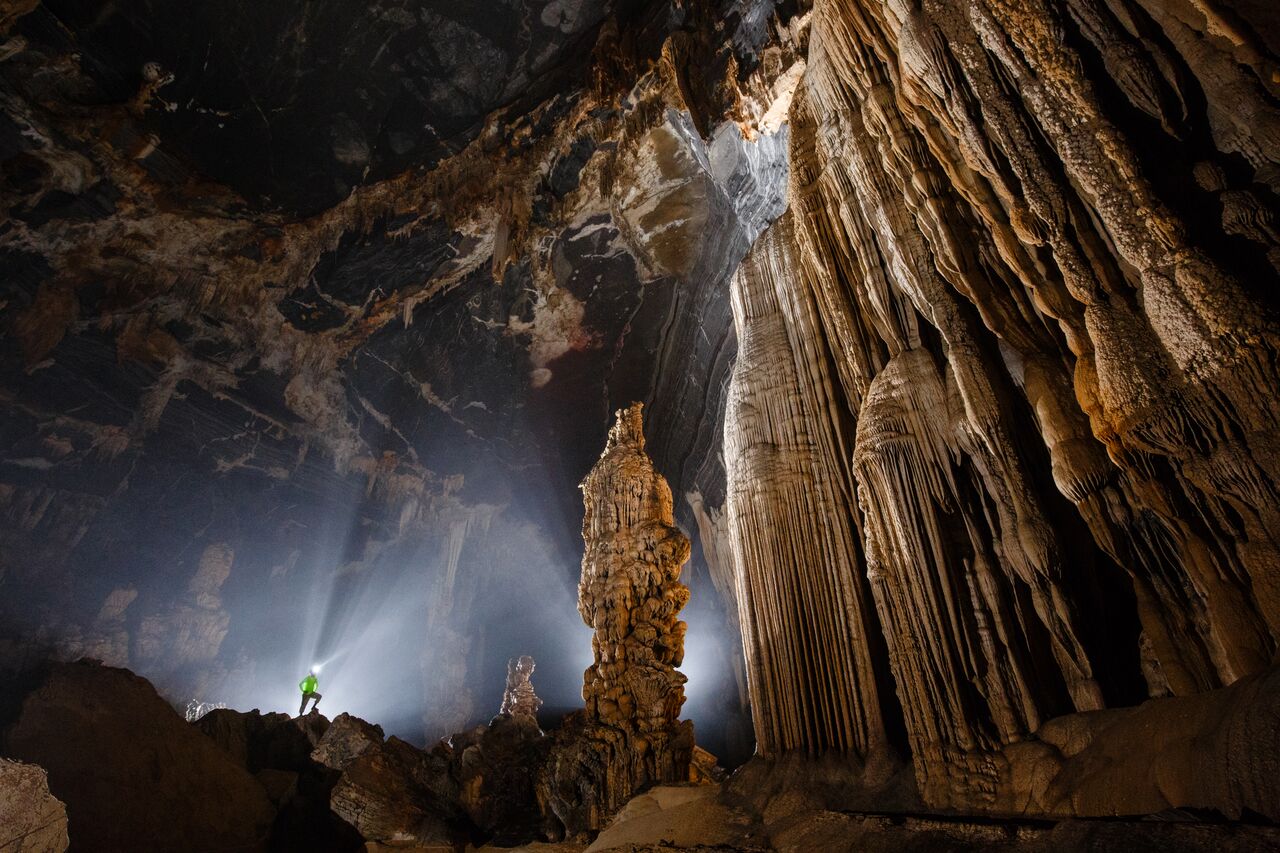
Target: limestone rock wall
(1018,330)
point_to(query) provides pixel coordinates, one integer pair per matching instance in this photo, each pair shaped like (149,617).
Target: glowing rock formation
(519,698)
(630,590)
(630,735)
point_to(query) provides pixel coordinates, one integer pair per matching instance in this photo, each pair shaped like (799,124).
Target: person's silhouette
(308,688)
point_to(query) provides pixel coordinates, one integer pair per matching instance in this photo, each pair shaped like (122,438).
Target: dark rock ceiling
(292,104)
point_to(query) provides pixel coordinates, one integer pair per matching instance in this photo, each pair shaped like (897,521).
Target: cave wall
(1022,310)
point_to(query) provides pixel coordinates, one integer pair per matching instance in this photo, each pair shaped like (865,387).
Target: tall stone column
(630,735)
(630,592)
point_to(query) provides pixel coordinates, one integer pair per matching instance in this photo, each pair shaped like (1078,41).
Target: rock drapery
(807,625)
(1038,363)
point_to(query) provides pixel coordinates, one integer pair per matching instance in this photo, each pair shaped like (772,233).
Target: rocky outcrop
(280,751)
(345,740)
(396,793)
(1215,751)
(133,774)
(32,820)
(497,767)
(258,741)
(519,698)
(340,784)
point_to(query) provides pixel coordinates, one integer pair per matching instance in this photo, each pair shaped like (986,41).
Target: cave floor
(701,820)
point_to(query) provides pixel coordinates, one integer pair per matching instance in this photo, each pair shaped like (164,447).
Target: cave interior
(735,425)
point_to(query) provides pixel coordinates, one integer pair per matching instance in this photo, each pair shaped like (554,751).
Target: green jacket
(308,684)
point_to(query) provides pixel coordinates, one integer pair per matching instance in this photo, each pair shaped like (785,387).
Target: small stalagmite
(519,699)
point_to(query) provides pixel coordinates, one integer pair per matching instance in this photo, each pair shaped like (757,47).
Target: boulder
(32,820)
(592,770)
(396,793)
(133,773)
(497,774)
(1217,750)
(281,785)
(277,749)
(258,741)
(346,739)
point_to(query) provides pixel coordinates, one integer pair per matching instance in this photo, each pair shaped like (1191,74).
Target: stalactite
(805,614)
(1044,361)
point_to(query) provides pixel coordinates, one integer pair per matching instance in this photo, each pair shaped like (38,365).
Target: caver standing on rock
(308,688)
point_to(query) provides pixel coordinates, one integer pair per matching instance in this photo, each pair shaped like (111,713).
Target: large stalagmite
(630,592)
(630,735)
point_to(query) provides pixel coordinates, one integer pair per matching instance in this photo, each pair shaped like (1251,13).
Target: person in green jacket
(308,687)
